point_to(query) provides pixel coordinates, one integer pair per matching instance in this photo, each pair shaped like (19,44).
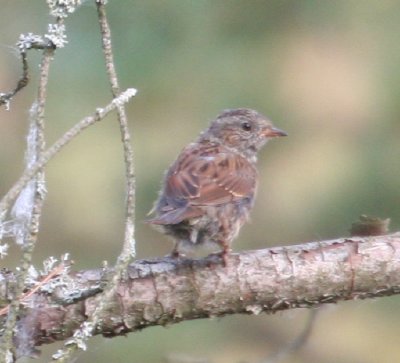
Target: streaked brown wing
(210,176)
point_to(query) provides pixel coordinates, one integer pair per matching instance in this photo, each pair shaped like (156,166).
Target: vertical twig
(128,250)
(129,241)
(35,213)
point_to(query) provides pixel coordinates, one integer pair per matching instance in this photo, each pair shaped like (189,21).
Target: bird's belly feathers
(217,224)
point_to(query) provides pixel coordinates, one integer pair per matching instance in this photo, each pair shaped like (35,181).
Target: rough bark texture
(167,291)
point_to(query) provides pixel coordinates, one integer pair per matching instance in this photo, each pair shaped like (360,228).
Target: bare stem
(22,82)
(128,250)
(88,328)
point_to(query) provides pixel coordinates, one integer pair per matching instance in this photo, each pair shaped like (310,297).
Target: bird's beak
(274,132)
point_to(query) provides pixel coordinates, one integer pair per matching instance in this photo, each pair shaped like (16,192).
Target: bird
(209,190)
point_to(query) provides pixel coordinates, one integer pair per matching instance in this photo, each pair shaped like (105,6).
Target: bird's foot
(223,255)
(175,255)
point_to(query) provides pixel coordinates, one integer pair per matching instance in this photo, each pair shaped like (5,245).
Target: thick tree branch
(166,291)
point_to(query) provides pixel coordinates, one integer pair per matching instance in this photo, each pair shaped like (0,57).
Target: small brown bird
(209,190)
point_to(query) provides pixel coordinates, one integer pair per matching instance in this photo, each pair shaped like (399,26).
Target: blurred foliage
(325,71)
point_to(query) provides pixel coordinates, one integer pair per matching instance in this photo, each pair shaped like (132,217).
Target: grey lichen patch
(62,8)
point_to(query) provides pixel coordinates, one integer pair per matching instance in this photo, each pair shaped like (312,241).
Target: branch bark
(167,291)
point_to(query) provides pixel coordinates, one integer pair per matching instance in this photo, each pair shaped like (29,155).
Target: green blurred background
(327,72)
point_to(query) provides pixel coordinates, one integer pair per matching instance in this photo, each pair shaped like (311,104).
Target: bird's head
(244,130)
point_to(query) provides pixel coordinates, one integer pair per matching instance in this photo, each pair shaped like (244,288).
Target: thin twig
(128,249)
(296,343)
(28,174)
(129,242)
(26,43)
(22,82)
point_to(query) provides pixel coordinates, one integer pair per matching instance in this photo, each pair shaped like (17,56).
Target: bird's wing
(210,176)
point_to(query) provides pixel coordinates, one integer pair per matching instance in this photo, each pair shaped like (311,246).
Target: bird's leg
(226,250)
(224,253)
(175,252)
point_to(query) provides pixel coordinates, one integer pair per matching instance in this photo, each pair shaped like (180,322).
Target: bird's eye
(246,126)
